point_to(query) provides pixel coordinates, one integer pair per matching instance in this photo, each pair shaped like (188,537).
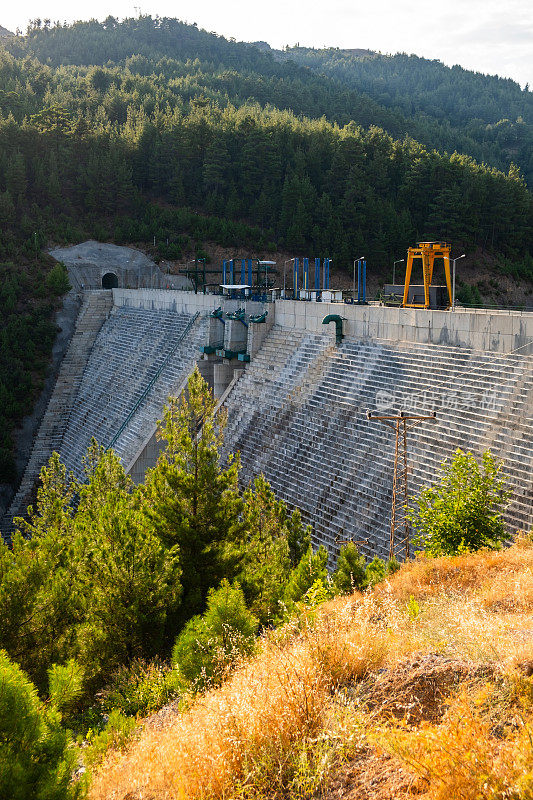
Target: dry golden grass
(288,719)
(461,758)
(474,573)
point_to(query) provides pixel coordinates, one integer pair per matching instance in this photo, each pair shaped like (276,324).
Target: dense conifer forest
(126,131)
(488,117)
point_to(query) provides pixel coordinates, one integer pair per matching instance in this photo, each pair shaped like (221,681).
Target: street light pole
(354,263)
(453,280)
(285,274)
(400,261)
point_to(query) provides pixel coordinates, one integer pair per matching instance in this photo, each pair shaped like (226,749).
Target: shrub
(350,572)
(312,568)
(116,734)
(141,688)
(209,645)
(463,512)
(36,760)
(377,570)
(57,280)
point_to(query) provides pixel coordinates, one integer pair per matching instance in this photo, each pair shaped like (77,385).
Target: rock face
(97,265)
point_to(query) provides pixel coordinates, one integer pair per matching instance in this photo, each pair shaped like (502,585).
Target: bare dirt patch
(416,690)
(373,775)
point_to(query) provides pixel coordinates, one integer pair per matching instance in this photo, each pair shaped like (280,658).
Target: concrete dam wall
(298,415)
(297,410)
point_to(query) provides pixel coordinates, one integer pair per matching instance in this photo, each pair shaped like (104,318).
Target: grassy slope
(420,688)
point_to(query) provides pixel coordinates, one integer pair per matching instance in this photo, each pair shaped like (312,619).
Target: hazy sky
(493,36)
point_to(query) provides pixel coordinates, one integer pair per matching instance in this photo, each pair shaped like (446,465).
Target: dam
(296,399)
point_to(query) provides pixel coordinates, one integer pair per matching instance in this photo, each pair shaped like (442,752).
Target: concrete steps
(112,359)
(298,415)
(135,346)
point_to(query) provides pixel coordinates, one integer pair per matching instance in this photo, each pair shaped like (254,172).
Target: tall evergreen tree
(191,500)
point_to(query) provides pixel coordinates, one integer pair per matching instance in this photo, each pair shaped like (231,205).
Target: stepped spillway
(298,415)
(139,358)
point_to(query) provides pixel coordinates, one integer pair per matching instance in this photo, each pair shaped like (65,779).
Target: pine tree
(311,570)
(39,593)
(209,645)
(349,574)
(190,499)
(16,180)
(216,166)
(264,555)
(36,754)
(131,580)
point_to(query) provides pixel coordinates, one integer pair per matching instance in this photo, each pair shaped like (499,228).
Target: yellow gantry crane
(428,252)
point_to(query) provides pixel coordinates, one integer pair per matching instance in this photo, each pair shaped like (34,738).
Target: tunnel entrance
(110,281)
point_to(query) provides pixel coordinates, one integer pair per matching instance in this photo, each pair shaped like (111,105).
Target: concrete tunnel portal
(110,281)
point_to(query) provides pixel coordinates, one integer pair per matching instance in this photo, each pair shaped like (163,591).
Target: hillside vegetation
(120,600)
(100,118)
(419,688)
(488,117)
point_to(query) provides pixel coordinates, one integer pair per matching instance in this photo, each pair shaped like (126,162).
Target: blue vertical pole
(295,282)
(364,281)
(306,274)
(326,273)
(249,271)
(231,265)
(243,271)
(359,281)
(317,274)
(224,263)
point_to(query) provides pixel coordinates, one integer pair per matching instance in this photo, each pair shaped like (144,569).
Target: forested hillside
(153,128)
(155,109)
(488,117)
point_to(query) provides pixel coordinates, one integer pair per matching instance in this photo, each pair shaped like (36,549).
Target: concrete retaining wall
(492,331)
(182,302)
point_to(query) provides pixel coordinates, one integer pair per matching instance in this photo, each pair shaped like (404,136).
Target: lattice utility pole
(400,527)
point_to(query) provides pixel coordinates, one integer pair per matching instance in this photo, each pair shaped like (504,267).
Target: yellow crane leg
(408,270)
(446,259)
(427,267)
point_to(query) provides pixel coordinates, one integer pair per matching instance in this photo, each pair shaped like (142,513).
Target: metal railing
(152,382)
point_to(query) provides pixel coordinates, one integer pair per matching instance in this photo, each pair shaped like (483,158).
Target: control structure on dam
(297,396)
